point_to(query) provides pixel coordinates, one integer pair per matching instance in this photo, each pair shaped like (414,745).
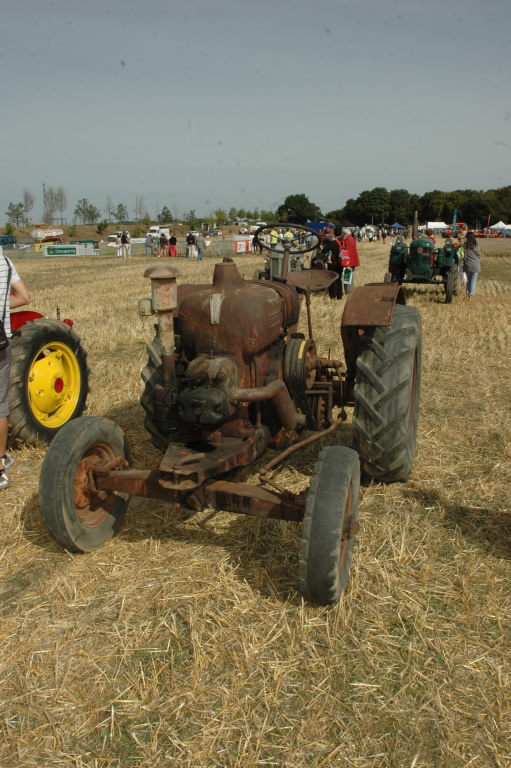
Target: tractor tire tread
(323,577)
(384,427)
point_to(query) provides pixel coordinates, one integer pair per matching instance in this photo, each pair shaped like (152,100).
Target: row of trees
(380,205)
(373,206)
(55,202)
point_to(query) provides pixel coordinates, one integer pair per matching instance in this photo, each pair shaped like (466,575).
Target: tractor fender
(19,319)
(372,304)
(368,306)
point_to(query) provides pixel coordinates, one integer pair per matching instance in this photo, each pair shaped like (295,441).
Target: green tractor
(423,263)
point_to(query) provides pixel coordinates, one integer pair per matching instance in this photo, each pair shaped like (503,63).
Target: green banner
(61,250)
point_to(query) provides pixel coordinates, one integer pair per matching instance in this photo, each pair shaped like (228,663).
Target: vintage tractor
(48,383)
(230,375)
(423,263)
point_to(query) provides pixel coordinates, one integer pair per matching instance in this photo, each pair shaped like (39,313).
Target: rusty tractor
(229,375)
(48,379)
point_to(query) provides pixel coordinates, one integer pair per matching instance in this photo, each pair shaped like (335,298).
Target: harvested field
(183,641)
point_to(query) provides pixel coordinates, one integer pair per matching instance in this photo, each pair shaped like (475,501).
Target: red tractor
(48,377)
(229,376)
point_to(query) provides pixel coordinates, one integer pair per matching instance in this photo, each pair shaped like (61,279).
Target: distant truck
(156,231)
(47,234)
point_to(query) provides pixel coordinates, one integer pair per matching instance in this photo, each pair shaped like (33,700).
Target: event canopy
(437,225)
(397,225)
(499,225)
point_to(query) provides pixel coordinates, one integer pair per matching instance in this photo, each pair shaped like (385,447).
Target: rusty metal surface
(312,279)
(186,468)
(219,495)
(137,482)
(242,335)
(372,304)
(255,501)
(307,441)
(278,394)
(162,271)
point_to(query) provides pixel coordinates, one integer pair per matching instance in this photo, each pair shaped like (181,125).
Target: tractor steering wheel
(278,246)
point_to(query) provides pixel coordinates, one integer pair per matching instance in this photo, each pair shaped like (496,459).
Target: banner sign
(80,249)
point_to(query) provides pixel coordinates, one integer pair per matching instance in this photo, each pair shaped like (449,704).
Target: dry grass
(181,643)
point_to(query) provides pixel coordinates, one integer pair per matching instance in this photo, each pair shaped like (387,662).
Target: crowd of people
(167,246)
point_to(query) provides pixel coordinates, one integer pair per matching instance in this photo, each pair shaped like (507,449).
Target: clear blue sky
(209,104)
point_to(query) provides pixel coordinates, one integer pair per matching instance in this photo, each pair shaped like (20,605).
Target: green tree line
(381,205)
(374,206)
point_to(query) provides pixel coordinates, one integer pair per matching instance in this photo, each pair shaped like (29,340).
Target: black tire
(386,391)
(329,525)
(77,519)
(48,380)
(451,285)
(152,375)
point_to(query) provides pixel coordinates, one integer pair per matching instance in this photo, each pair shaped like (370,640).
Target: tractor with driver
(232,378)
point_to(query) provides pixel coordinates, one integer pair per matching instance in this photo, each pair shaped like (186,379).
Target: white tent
(437,225)
(498,226)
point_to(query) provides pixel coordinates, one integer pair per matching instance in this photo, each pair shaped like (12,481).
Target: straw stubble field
(184,642)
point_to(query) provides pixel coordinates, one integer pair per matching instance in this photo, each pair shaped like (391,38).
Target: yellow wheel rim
(54,385)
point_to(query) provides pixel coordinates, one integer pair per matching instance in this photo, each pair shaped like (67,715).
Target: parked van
(156,231)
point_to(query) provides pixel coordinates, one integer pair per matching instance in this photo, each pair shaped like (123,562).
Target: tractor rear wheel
(329,525)
(152,375)
(48,381)
(76,515)
(386,391)
(451,285)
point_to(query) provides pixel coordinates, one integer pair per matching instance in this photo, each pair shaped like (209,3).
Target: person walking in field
(201,247)
(125,242)
(471,262)
(149,245)
(13,294)
(164,245)
(191,247)
(173,246)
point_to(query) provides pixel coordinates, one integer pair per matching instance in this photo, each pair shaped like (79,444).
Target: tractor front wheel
(329,525)
(386,391)
(48,380)
(74,513)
